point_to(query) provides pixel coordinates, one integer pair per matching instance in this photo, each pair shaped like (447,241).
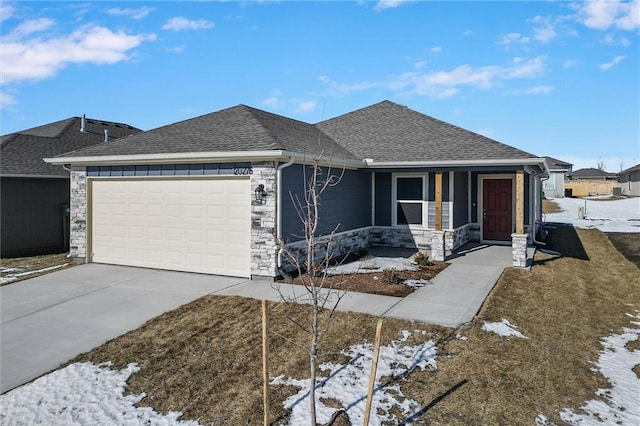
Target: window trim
(394,200)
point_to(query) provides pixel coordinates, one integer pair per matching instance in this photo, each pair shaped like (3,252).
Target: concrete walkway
(452,299)
(46,321)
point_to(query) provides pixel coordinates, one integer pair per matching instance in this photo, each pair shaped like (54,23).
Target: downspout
(279,207)
(539,190)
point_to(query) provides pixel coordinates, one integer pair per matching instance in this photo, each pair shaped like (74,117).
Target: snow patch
(503,328)
(373,264)
(12,277)
(621,215)
(81,394)
(348,383)
(416,283)
(620,403)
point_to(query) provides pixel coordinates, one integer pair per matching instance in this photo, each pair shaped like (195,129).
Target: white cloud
(435,49)
(389,4)
(35,59)
(610,39)
(513,38)
(544,32)
(613,63)
(139,13)
(604,14)
(180,23)
(29,27)
(6,11)
(445,84)
(272,102)
(6,100)
(570,63)
(176,49)
(536,90)
(306,106)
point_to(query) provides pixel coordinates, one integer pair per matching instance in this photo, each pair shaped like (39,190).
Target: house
(558,170)
(34,194)
(592,174)
(213,194)
(629,181)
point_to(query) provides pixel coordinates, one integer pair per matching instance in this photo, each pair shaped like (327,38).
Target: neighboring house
(592,174)
(213,194)
(629,180)
(34,194)
(558,170)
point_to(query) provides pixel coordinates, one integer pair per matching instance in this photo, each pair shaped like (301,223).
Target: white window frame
(424,202)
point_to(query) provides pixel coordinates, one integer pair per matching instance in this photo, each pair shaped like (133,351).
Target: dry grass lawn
(204,358)
(33,263)
(550,206)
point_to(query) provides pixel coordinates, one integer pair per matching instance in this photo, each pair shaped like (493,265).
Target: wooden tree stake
(265,364)
(374,370)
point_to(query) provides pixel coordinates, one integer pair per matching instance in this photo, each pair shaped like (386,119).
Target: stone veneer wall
(263,222)
(78,214)
(422,239)
(339,244)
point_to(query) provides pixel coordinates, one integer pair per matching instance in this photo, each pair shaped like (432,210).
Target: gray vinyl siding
(460,199)
(345,206)
(383,199)
(32,216)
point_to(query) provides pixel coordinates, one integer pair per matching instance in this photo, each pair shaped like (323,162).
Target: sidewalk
(453,299)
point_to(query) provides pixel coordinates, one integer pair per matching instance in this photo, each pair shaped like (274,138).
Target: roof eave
(189,157)
(18,175)
(458,163)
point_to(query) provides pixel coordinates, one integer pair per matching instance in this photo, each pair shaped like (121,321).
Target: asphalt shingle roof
(555,162)
(21,153)
(240,128)
(390,132)
(383,132)
(591,173)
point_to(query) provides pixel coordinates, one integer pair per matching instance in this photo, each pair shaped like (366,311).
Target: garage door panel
(185,224)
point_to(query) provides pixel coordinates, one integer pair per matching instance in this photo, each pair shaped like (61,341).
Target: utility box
(617,191)
(568,192)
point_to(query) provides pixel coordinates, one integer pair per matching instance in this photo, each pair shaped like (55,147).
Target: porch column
(520,202)
(519,238)
(438,201)
(438,246)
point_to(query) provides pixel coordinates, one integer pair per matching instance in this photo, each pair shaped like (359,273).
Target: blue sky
(552,78)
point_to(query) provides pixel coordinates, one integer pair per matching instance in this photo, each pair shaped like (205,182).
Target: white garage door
(195,225)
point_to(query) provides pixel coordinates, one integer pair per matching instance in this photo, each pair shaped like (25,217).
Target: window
(550,183)
(410,192)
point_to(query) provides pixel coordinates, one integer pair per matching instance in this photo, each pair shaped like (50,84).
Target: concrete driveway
(48,320)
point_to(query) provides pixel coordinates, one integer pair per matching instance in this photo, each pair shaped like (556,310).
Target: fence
(583,188)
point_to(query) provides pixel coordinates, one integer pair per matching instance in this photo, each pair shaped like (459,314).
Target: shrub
(391,276)
(422,259)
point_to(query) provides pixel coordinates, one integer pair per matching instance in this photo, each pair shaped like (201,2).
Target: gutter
(188,157)
(456,163)
(279,208)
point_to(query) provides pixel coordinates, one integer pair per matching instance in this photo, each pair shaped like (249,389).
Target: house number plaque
(243,171)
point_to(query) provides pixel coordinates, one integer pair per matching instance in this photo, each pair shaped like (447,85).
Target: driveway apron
(50,319)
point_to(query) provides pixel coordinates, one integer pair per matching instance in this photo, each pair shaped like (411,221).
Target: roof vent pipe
(106,135)
(83,124)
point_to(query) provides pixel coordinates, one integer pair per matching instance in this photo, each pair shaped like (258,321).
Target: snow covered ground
(622,215)
(619,404)
(348,383)
(11,274)
(503,328)
(372,264)
(81,394)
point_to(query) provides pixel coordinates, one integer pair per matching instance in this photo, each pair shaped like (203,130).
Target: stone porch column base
(438,248)
(519,250)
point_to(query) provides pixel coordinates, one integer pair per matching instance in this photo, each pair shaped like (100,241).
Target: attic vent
(83,124)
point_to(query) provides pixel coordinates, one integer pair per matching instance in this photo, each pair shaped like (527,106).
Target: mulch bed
(372,282)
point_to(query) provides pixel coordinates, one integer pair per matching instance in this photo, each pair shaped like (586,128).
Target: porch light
(261,194)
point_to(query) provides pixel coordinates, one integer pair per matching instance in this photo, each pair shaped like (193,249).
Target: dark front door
(497,209)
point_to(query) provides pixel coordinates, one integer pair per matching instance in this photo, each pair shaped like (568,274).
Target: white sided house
(213,194)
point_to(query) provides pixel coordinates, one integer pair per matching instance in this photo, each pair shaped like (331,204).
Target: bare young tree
(601,164)
(312,262)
